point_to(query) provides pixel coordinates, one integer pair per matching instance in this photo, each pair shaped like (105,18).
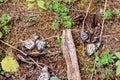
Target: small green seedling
(64,20)
(68,24)
(2,1)
(58,8)
(41,4)
(55,25)
(31,18)
(106,59)
(31,4)
(85,1)
(1,34)
(94,71)
(107,73)
(1,54)
(58,41)
(65,78)
(100,0)
(102,64)
(108,14)
(118,63)
(2,72)
(47,44)
(5,19)
(117,12)
(69,1)
(6,29)
(13,0)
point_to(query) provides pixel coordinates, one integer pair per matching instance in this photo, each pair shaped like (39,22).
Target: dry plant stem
(103,21)
(92,72)
(29,25)
(35,62)
(83,25)
(100,34)
(49,38)
(54,54)
(13,47)
(3,50)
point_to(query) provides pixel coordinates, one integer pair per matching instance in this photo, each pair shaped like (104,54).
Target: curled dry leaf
(36,54)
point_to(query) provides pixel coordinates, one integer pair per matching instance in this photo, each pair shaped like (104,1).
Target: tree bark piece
(69,52)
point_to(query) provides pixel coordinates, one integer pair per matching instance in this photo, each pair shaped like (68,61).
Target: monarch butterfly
(92,47)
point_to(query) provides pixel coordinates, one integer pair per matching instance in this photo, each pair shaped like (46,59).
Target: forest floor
(25,23)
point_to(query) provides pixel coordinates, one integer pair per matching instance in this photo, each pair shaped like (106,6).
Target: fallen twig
(49,37)
(3,50)
(13,47)
(35,62)
(45,55)
(103,21)
(69,51)
(83,25)
(100,34)
(91,78)
(31,24)
(53,54)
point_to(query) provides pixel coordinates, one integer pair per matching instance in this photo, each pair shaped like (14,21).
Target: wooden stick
(83,25)
(69,51)
(103,21)
(13,47)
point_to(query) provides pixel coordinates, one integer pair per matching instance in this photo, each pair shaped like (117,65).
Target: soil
(21,30)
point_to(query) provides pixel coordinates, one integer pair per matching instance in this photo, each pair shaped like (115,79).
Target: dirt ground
(21,29)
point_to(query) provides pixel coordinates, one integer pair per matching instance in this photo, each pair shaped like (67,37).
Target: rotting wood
(69,52)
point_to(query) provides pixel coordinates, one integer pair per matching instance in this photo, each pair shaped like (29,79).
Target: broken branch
(69,51)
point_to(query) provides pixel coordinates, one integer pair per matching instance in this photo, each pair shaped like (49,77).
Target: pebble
(40,45)
(29,44)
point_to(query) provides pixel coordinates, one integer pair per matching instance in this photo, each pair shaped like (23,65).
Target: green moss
(9,64)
